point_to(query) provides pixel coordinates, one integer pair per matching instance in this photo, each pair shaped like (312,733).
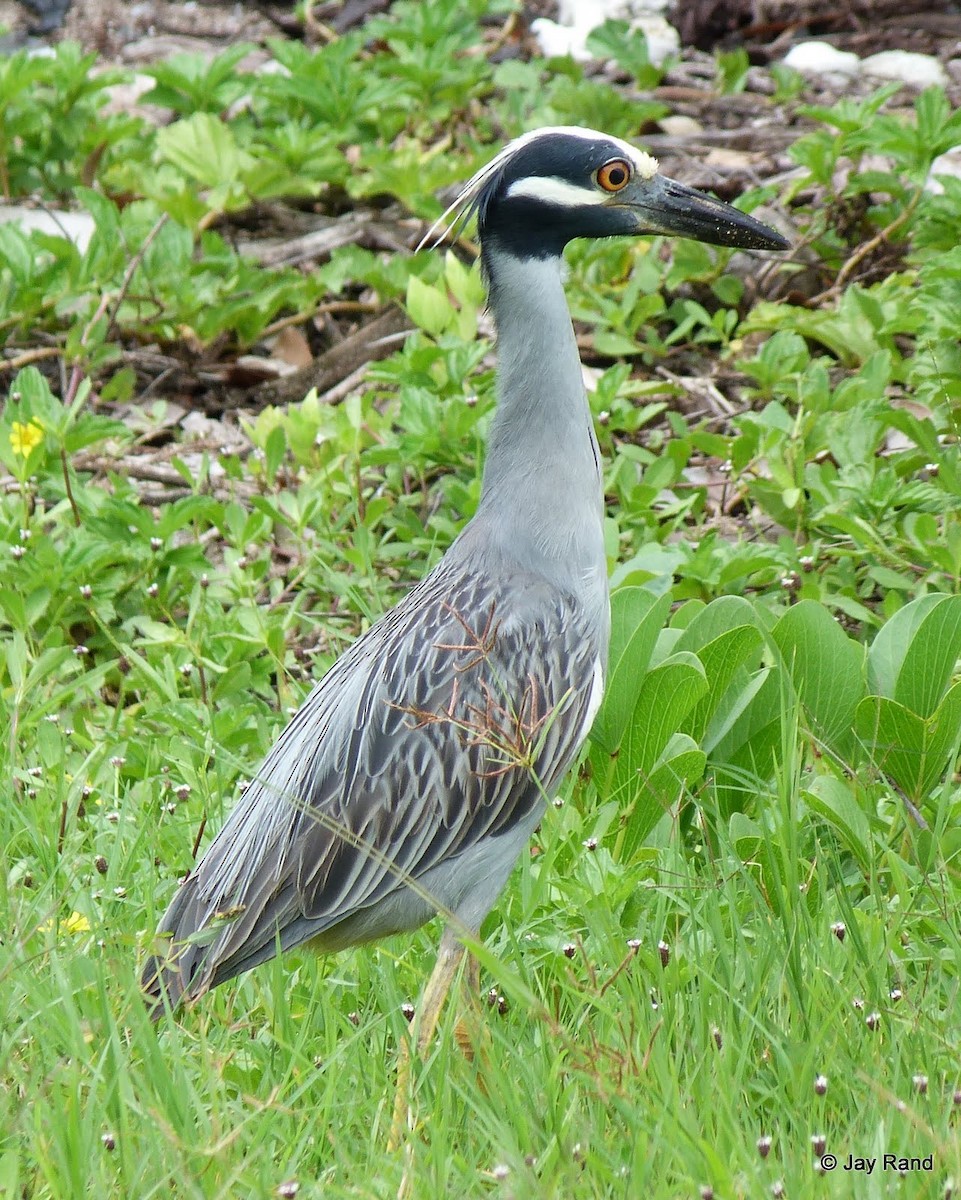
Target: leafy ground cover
(734,947)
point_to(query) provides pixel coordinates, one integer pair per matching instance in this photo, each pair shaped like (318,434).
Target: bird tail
(173,971)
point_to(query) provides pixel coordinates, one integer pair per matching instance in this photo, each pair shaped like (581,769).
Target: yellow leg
(471,1031)
(472,979)
(425,1022)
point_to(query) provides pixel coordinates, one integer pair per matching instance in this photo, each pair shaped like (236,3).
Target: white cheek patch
(555,191)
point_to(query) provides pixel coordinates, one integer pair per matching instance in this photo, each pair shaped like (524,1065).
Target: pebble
(948,163)
(824,60)
(917,70)
(578,18)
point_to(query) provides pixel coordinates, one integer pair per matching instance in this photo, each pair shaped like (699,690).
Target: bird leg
(471,1031)
(425,1022)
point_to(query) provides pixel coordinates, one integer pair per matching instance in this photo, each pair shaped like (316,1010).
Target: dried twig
(30,356)
(371,342)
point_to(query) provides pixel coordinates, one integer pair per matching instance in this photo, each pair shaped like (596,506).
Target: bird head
(555,184)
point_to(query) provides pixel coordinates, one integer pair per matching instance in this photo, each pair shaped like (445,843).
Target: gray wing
(450,722)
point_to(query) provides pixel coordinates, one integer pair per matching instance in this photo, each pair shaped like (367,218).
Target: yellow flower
(25,438)
(76,923)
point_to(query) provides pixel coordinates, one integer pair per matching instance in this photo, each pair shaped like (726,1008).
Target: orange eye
(614,175)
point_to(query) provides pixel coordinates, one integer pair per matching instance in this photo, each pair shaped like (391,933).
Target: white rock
(125,98)
(822,60)
(727,159)
(948,163)
(558,41)
(271,66)
(578,19)
(677,125)
(919,70)
(77,227)
(588,13)
(582,12)
(663,40)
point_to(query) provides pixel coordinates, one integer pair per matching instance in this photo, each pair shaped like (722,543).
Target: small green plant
(732,68)
(711,692)
(51,128)
(628,48)
(192,83)
(38,431)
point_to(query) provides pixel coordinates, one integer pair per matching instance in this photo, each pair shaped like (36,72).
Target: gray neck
(542,479)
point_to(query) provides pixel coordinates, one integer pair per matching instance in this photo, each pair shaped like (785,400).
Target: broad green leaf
(667,694)
(637,616)
(681,763)
(92,428)
(14,609)
(31,389)
(186,82)
(739,699)
(235,681)
(746,836)
(833,799)
(913,752)
(944,732)
(204,148)
(827,668)
(742,753)
(106,215)
(17,657)
(895,738)
(684,614)
(723,659)
(931,658)
(630,608)
(721,615)
(467,286)
(759,708)
(891,644)
(665,644)
(428,306)
(274,451)
(628,47)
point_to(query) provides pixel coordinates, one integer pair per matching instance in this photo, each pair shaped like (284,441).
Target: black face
(529,227)
(619,197)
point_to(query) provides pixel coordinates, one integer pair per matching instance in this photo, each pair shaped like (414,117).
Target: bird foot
(464,1036)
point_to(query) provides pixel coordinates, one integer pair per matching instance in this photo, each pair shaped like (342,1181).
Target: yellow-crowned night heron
(416,770)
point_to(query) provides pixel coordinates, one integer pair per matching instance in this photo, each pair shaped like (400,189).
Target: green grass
(785,678)
(612,1073)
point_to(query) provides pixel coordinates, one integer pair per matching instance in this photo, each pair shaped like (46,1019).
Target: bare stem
(67,484)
